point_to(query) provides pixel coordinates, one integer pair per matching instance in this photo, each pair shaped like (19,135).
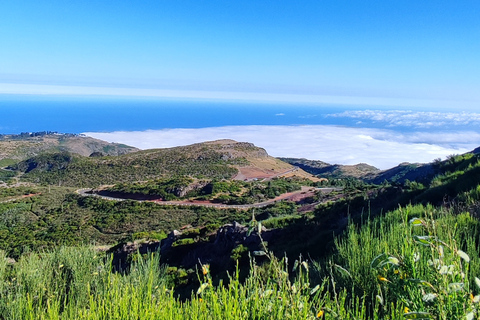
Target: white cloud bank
(337,145)
(408,118)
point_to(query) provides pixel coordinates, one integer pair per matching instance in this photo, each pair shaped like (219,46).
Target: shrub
(183,242)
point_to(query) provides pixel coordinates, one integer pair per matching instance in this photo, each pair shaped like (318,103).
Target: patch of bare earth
(255,173)
(269,168)
(251,173)
(15,198)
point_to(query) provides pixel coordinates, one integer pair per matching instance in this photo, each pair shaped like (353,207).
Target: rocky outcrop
(122,251)
(214,249)
(186,248)
(184,190)
(242,149)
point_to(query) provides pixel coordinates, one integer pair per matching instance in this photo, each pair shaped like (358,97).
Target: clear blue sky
(356,49)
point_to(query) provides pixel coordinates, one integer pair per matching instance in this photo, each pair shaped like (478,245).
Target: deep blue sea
(70,115)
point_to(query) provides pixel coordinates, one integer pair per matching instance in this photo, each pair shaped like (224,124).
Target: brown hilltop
(260,165)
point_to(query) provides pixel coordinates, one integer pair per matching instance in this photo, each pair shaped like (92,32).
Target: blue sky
(402,53)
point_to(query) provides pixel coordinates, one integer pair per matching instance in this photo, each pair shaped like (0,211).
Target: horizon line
(218,95)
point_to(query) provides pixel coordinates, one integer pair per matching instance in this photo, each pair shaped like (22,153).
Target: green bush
(183,242)
(238,252)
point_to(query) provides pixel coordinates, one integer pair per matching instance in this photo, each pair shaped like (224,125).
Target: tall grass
(74,283)
(419,259)
(417,262)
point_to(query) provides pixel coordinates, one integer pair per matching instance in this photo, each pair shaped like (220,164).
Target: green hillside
(74,170)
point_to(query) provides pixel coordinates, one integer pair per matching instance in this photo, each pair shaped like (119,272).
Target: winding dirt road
(297,195)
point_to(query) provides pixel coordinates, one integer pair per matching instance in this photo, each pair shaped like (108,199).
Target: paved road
(87,193)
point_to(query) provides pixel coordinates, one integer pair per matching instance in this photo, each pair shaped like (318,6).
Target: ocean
(32,114)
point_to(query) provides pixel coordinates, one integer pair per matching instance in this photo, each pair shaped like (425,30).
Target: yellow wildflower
(205,269)
(406,310)
(382,278)
(320,314)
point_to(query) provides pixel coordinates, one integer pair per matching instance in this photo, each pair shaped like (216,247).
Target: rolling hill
(223,159)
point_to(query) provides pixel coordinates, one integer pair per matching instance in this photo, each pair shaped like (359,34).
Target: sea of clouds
(410,118)
(382,148)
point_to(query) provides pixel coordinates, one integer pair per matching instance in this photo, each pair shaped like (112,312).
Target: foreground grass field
(417,262)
